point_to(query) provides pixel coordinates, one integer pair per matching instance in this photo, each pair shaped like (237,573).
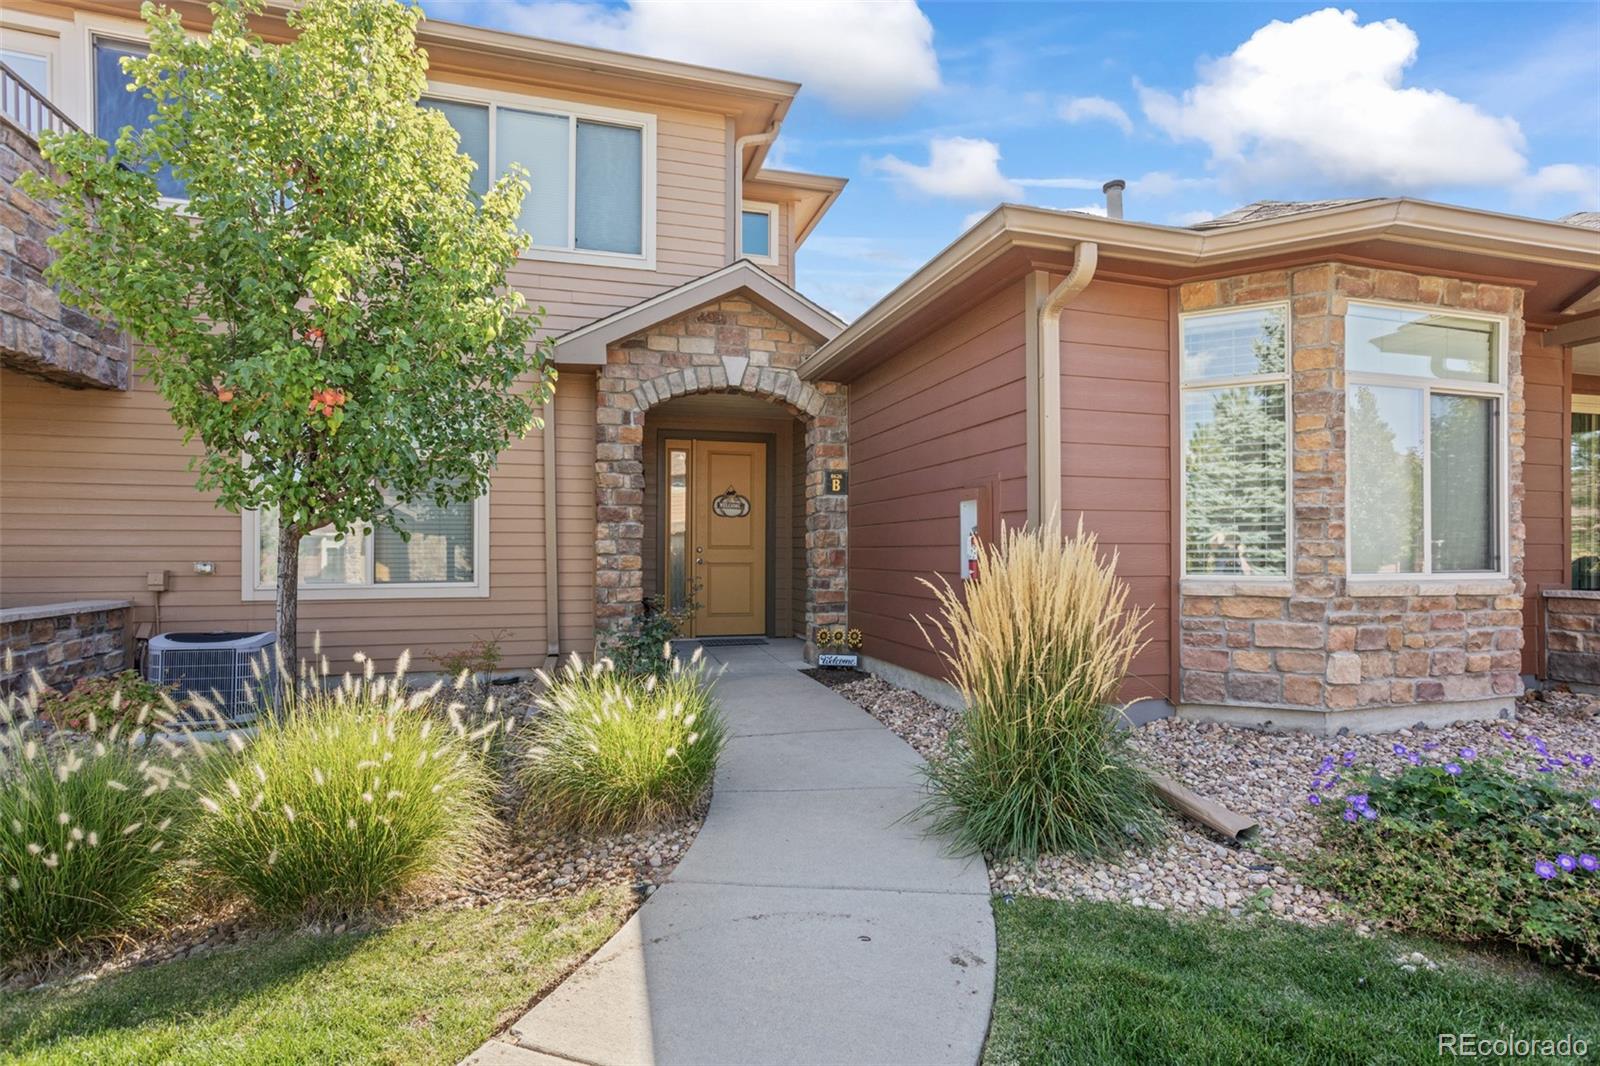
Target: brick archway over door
(728,345)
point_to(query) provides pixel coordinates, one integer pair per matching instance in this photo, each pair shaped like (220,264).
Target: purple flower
(1595,803)
(1399,749)
(1544,869)
(1566,862)
(1505,733)
(1414,758)
(1469,754)
(1349,758)
(1586,760)
(1453,769)
(1430,745)
(1314,799)
(1539,746)
(1589,862)
(1350,815)
(1368,813)
(1356,799)
(1545,768)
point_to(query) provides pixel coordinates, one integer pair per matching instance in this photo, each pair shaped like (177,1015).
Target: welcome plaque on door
(731,505)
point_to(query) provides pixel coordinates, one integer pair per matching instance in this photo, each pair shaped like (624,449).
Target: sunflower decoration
(853,638)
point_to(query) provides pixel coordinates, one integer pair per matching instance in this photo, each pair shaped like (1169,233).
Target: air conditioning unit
(215,666)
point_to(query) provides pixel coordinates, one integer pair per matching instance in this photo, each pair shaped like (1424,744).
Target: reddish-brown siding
(1546,505)
(937,419)
(1116,453)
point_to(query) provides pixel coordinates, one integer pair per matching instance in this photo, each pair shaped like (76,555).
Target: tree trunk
(288,605)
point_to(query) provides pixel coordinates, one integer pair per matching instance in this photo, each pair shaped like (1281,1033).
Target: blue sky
(938,111)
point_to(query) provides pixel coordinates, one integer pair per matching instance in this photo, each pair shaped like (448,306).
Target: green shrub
(612,751)
(644,647)
(102,702)
(1469,851)
(89,838)
(1038,645)
(345,799)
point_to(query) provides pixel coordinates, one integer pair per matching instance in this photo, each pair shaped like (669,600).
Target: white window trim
(644,122)
(771,211)
(252,588)
(1184,387)
(1496,389)
(40,44)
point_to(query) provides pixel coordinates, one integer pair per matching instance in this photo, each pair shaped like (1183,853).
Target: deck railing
(27,109)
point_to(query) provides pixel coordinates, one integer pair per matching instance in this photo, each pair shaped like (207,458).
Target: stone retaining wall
(1572,636)
(1319,642)
(64,642)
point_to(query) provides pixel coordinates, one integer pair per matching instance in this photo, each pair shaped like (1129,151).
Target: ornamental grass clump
(90,830)
(1038,644)
(349,797)
(612,751)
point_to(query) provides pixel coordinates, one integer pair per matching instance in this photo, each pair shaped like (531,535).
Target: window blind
(1235,481)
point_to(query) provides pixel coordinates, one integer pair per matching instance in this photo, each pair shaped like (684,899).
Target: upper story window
(758,232)
(591,172)
(116,107)
(1426,398)
(32,67)
(1235,384)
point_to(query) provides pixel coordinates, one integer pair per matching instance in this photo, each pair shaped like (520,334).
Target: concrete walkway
(807,923)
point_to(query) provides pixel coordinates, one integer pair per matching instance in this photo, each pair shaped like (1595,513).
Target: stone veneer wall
(38,334)
(1572,636)
(64,642)
(729,345)
(1318,642)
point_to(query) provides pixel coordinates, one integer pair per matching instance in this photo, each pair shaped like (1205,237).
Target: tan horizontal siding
(96,492)
(944,415)
(1116,454)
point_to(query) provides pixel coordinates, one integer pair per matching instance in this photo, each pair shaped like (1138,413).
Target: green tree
(327,313)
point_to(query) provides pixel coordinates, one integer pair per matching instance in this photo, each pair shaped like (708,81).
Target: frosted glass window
(756,227)
(540,143)
(609,212)
(1585,500)
(1236,344)
(115,107)
(1422,344)
(1461,445)
(440,545)
(677,528)
(471,122)
(1235,481)
(1385,430)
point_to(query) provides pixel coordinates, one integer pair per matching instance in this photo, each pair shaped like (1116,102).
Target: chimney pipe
(1113,190)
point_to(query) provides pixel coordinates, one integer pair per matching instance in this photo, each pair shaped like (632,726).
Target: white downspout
(1044,495)
(738,180)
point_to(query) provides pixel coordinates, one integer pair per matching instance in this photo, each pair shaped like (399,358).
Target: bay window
(444,554)
(1585,470)
(591,173)
(1426,399)
(1235,388)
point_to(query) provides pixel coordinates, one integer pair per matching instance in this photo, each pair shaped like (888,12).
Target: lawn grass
(1101,983)
(427,989)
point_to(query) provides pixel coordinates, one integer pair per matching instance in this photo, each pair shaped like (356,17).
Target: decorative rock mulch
(1263,775)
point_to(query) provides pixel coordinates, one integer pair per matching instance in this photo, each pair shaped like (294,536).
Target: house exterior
(1340,450)
(682,456)
(1347,454)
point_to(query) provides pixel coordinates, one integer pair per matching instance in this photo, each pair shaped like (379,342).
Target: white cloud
(1190,218)
(1562,179)
(1061,183)
(1095,109)
(863,58)
(1322,97)
(958,168)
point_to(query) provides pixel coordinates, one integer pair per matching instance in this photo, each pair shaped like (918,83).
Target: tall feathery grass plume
(1038,644)
(353,795)
(92,819)
(613,751)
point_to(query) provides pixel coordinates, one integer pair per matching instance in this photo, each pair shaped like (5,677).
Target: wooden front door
(724,547)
